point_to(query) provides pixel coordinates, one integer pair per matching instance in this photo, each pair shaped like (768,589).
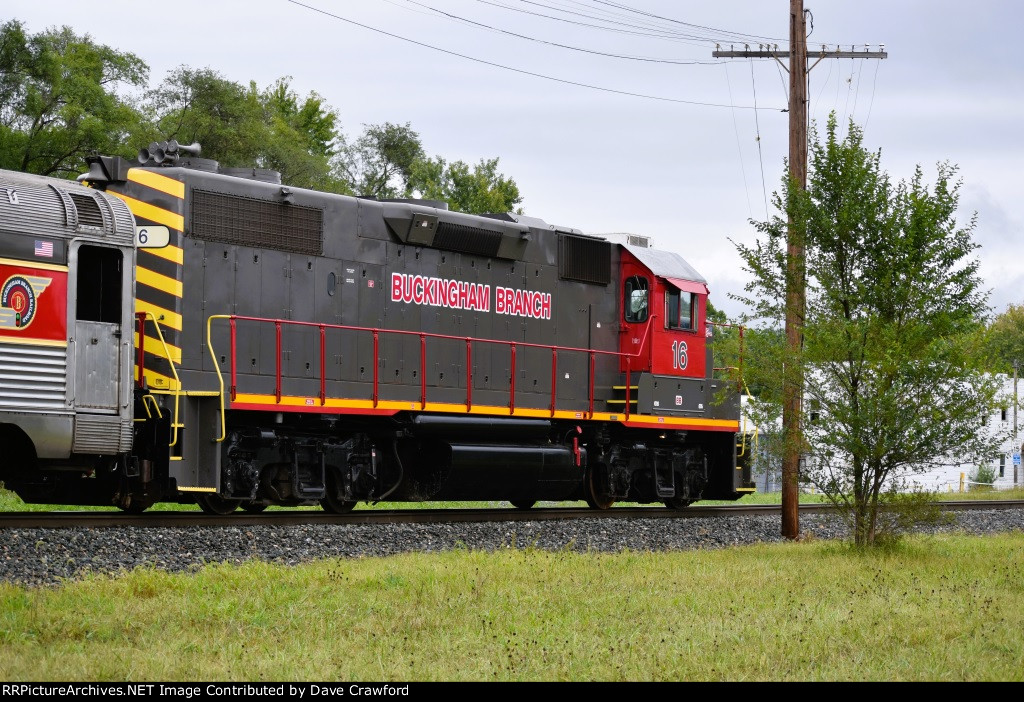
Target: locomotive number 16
(679,358)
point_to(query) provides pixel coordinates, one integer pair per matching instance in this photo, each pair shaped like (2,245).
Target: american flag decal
(44,248)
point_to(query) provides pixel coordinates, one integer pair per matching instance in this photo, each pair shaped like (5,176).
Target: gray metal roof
(665,263)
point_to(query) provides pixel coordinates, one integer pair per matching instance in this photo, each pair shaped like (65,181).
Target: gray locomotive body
(296,347)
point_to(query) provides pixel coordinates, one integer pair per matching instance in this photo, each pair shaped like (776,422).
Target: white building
(1000,422)
(954,478)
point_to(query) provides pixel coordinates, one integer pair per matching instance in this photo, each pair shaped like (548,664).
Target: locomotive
(176,331)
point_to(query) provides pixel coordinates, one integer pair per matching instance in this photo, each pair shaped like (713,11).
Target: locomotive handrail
(423,336)
(141,361)
(220,378)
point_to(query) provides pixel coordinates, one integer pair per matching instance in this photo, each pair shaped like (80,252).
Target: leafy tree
(479,190)
(892,291)
(201,105)
(379,163)
(59,99)
(241,126)
(302,138)
(1005,340)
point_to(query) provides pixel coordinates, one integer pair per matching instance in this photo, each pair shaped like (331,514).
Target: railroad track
(31,520)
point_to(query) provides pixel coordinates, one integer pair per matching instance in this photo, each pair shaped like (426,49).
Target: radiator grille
(89,214)
(32,377)
(258,223)
(584,259)
(98,434)
(471,240)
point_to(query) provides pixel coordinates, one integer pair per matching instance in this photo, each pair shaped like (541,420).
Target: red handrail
(140,354)
(234,350)
(423,371)
(323,366)
(469,373)
(554,378)
(423,336)
(277,343)
(512,384)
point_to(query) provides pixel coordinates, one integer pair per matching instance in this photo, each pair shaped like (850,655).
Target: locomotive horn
(193,149)
(174,148)
(146,154)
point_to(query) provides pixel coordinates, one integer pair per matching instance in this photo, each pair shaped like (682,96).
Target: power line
(739,147)
(519,70)
(856,95)
(723,32)
(757,127)
(648,29)
(872,103)
(458,18)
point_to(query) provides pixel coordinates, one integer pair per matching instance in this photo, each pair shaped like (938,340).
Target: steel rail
(62,519)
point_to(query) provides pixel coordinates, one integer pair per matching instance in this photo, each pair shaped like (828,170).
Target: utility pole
(1016,446)
(796,302)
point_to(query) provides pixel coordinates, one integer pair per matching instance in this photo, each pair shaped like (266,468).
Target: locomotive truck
(176,331)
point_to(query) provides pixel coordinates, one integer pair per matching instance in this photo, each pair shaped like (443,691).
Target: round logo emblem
(17,295)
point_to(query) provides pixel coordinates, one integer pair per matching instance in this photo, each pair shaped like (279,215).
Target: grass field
(931,609)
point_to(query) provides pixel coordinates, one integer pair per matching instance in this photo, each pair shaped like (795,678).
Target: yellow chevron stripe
(164,317)
(155,348)
(160,282)
(151,212)
(171,253)
(157,182)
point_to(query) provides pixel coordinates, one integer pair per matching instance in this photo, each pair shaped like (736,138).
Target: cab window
(635,301)
(679,309)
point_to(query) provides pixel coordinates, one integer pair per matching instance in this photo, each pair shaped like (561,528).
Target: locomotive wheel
(678,503)
(135,507)
(332,504)
(595,488)
(253,507)
(523,504)
(215,504)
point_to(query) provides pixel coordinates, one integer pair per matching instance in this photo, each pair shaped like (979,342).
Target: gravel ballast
(49,556)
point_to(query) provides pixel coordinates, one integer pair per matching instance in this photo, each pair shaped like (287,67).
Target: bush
(982,478)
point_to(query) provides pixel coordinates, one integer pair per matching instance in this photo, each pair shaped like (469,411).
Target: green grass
(932,609)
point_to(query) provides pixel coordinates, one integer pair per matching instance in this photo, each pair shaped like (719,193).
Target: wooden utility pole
(796,303)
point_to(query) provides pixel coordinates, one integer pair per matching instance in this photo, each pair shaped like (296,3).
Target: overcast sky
(668,146)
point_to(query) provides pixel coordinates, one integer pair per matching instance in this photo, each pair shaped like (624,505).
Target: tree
(302,138)
(1005,340)
(241,126)
(893,293)
(59,100)
(201,105)
(479,190)
(379,163)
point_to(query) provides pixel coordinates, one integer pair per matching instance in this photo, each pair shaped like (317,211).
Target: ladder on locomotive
(149,401)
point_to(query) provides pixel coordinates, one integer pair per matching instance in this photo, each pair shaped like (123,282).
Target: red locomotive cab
(663,326)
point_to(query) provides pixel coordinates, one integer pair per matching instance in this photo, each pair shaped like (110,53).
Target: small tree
(893,298)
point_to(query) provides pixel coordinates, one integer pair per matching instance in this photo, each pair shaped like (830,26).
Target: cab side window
(679,309)
(635,301)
